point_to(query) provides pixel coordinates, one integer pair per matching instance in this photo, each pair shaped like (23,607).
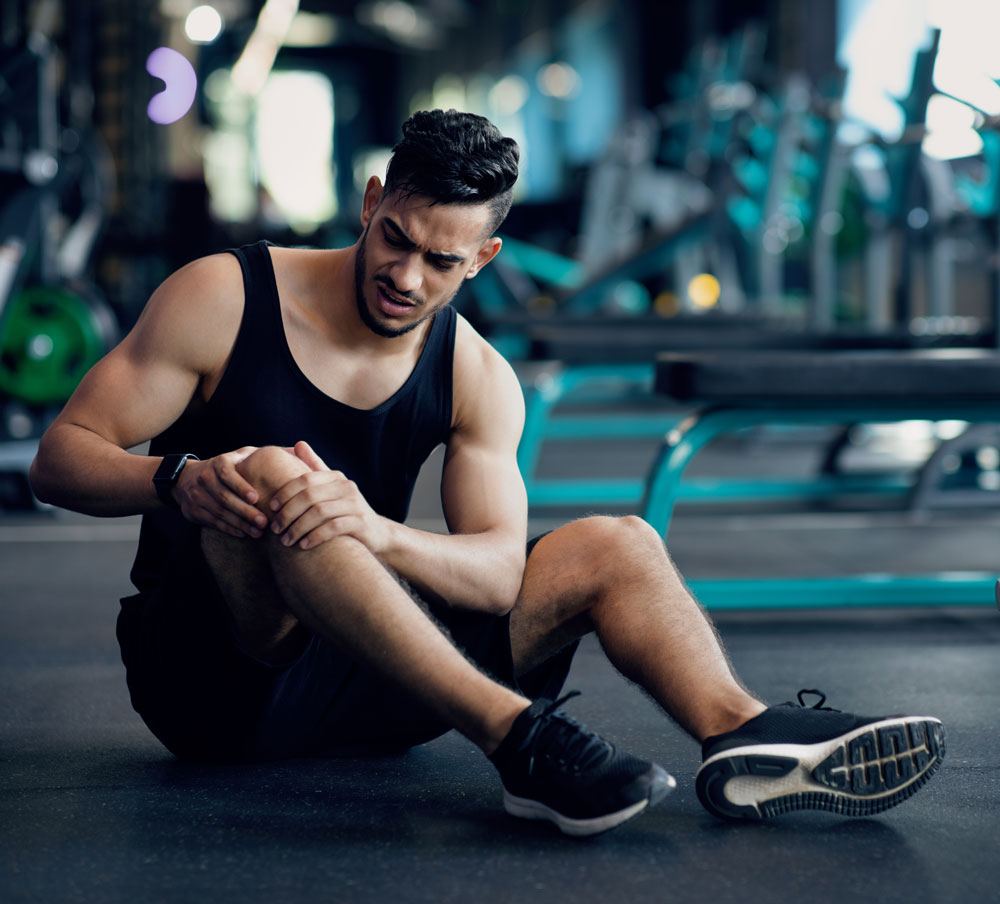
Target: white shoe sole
(526,808)
(862,772)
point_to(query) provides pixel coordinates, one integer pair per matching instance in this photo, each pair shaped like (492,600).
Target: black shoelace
(819,703)
(563,741)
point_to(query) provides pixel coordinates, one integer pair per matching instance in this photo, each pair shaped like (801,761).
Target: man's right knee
(269,468)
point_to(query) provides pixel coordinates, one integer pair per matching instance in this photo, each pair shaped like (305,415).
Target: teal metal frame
(593,383)
(616,383)
(664,490)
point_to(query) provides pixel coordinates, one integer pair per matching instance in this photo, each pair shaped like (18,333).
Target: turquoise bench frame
(687,438)
(617,383)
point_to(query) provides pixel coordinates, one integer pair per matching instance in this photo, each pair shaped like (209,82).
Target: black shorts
(207,699)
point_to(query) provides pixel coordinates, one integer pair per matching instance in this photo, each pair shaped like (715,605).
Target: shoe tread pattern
(867,774)
(882,767)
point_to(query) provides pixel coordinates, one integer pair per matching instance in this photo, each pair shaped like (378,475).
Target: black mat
(92,809)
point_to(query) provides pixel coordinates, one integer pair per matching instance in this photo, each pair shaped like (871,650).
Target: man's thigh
(207,696)
(544,631)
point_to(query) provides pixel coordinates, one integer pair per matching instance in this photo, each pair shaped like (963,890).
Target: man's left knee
(615,542)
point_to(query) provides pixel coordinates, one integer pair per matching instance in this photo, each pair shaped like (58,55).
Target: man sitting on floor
(285,609)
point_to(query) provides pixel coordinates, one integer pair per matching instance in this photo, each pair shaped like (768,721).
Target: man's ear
(487,251)
(373,195)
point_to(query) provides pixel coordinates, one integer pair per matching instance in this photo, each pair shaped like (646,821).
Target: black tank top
(265,399)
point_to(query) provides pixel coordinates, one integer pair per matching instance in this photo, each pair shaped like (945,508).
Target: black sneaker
(554,768)
(796,758)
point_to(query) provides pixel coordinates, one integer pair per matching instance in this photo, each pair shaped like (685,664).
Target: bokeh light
(704,290)
(180,85)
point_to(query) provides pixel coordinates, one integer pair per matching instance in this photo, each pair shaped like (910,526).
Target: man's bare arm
(136,391)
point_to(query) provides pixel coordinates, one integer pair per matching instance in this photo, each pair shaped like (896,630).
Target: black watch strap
(167,474)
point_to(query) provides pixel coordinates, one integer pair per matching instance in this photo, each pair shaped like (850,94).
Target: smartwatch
(167,474)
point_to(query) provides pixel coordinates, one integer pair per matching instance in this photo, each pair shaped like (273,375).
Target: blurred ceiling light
(558,80)
(254,65)
(293,138)
(203,24)
(951,131)
(312,30)
(401,21)
(508,95)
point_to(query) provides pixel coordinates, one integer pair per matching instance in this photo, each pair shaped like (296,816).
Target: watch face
(169,470)
(166,476)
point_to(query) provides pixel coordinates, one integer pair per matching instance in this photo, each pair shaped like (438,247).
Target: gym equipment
(733,391)
(56,177)
(583,367)
(652,207)
(791,143)
(50,337)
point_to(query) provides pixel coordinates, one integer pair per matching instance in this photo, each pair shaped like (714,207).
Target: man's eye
(444,266)
(394,241)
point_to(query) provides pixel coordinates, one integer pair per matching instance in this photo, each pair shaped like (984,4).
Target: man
(283,607)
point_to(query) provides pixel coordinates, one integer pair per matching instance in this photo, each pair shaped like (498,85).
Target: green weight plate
(50,336)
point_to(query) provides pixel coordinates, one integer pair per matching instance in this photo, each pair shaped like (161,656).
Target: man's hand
(324,504)
(214,494)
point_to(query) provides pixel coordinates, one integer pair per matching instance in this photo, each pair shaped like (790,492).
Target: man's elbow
(44,473)
(508,588)
(38,479)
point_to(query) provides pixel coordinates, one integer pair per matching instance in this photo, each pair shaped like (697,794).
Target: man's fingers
(311,530)
(301,486)
(222,503)
(235,481)
(226,522)
(244,510)
(304,452)
(339,527)
(300,515)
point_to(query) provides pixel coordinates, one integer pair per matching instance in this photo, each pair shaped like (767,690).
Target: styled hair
(455,158)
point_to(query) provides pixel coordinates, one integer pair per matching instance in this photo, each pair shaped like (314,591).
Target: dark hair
(455,158)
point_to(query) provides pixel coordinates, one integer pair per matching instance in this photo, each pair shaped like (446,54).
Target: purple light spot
(181,84)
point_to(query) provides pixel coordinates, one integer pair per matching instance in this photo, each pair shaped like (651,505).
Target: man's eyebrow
(397,231)
(444,256)
(399,235)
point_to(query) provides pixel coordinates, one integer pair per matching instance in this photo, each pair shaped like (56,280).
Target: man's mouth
(390,303)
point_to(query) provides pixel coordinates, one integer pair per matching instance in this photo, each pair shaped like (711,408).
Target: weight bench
(613,363)
(732,390)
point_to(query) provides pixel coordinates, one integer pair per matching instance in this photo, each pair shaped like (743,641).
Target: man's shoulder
(213,276)
(195,311)
(473,352)
(484,379)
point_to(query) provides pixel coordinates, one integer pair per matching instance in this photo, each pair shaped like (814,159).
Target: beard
(367,317)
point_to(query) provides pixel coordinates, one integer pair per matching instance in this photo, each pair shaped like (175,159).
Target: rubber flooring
(92,808)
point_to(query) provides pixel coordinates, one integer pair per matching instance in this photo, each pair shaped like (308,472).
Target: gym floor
(92,808)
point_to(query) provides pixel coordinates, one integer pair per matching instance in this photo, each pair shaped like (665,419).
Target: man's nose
(406,273)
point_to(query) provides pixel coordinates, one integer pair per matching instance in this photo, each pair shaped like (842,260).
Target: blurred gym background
(798,200)
(842,138)
(727,173)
